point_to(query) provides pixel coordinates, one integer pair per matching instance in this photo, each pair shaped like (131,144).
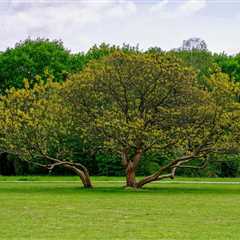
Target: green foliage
(99,51)
(165,104)
(134,102)
(28,122)
(229,65)
(123,95)
(202,61)
(108,165)
(36,125)
(31,58)
(154,50)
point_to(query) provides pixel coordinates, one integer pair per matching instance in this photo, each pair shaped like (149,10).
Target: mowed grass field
(59,208)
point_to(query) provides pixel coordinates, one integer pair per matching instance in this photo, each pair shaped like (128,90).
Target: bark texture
(83,175)
(130,175)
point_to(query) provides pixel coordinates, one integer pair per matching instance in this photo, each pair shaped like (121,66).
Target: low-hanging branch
(204,165)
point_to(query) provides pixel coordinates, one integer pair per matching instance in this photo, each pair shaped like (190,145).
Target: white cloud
(159,6)
(122,9)
(167,9)
(80,24)
(59,19)
(192,6)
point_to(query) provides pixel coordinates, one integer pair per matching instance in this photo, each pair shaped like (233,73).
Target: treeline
(42,84)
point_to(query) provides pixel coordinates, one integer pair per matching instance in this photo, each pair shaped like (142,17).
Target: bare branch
(204,165)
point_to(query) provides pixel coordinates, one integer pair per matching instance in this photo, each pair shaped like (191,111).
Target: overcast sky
(162,23)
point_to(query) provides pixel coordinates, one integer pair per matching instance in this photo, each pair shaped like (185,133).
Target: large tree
(36,126)
(136,103)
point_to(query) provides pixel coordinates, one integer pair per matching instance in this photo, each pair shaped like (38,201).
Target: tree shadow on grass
(173,189)
(68,189)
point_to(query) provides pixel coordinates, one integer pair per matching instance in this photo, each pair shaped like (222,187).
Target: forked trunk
(131,166)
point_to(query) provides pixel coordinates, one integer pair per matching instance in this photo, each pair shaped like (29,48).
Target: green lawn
(64,210)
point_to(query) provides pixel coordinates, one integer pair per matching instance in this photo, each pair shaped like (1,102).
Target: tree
(137,103)
(36,126)
(32,58)
(194,44)
(154,50)
(229,65)
(202,61)
(104,49)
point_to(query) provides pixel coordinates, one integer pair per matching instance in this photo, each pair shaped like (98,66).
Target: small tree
(36,126)
(136,103)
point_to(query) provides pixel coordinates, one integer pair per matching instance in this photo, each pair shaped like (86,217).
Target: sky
(163,23)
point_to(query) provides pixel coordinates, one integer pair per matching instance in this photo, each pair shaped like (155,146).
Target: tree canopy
(36,126)
(137,103)
(32,58)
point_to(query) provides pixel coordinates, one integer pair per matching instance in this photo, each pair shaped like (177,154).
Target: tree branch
(204,165)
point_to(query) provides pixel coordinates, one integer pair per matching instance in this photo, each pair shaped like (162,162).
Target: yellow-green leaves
(34,121)
(132,100)
(124,101)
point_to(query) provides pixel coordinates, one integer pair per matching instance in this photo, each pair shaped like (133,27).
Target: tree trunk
(131,166)
(85,178)
(130,175)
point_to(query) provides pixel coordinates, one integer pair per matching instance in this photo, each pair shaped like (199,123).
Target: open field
(64,210)
(51,178)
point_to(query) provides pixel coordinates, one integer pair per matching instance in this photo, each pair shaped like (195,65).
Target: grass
(106,178)
(64,210)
